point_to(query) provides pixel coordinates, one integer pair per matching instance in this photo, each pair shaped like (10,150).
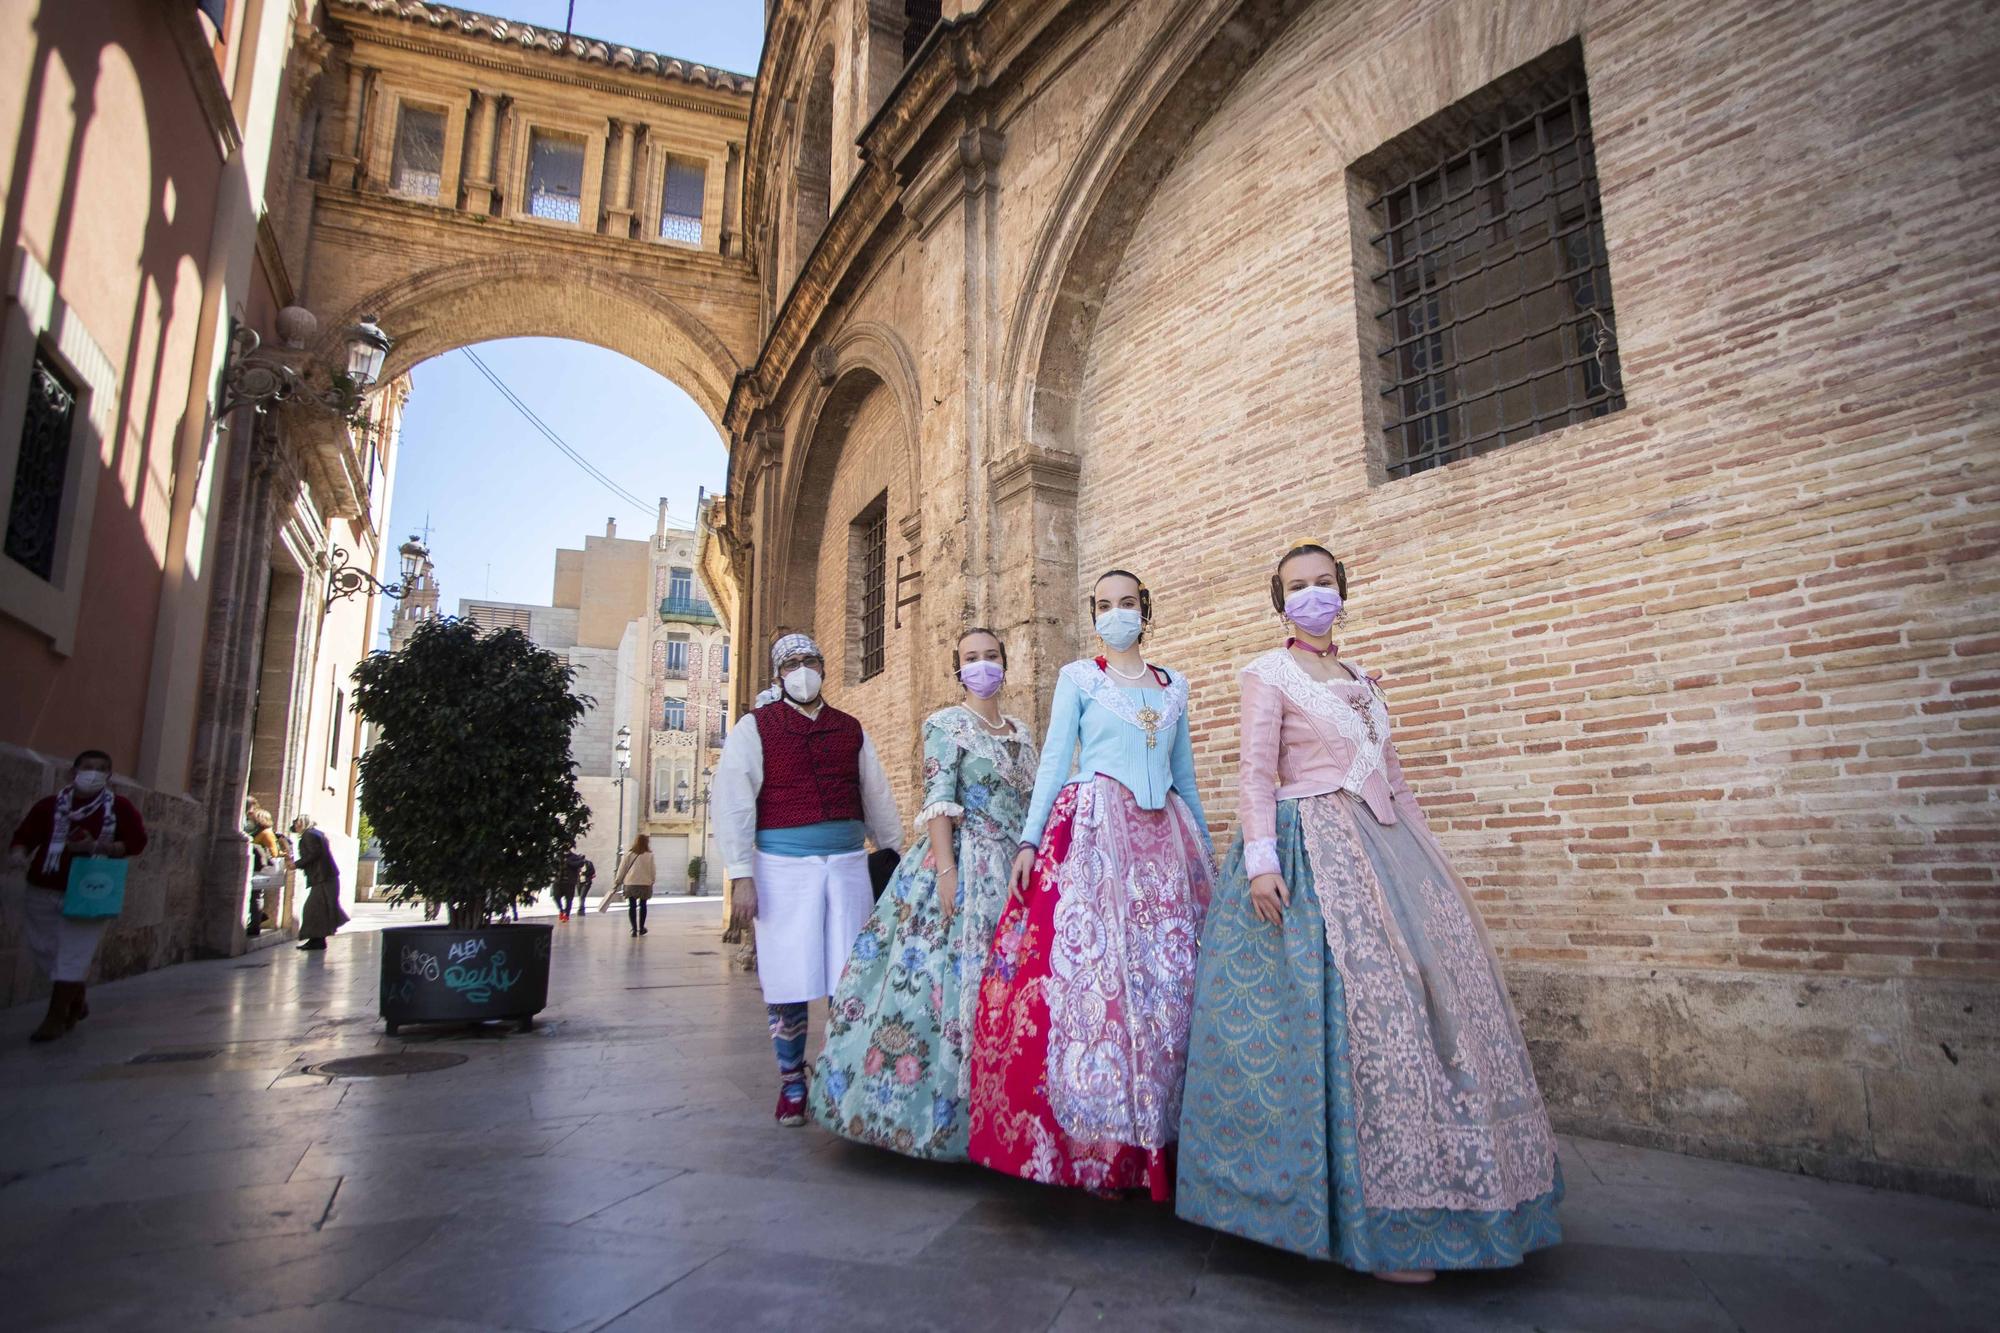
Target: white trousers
(64,948)
(809,909)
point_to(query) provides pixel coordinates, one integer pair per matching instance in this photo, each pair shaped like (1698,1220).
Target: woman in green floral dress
(894,1071)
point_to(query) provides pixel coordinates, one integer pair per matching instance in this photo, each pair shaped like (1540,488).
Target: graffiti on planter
(477,984)
(393,992)
(417,963)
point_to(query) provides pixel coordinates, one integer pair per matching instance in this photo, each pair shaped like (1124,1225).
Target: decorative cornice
(527,37)
(1030,467)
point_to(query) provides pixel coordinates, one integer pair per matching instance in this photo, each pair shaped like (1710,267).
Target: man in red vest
(798,792)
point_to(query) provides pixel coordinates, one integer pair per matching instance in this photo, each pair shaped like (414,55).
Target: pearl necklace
(1140,674)
(1001,728)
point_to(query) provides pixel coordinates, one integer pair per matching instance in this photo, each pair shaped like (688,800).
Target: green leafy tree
(470,784)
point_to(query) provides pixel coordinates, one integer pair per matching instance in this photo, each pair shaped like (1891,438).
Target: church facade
(1637,359)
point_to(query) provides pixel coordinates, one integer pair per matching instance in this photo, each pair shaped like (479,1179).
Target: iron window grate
(1491,262)
(418,169)
(41,470)
(874,592)
(680,205)
(555,177)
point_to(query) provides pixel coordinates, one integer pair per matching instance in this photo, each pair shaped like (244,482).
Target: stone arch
(1199,54)
(456,305)
(866,347)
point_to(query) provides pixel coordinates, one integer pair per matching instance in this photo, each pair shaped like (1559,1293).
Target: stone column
(479,157)
(619,216)
(220,768)
(343,167)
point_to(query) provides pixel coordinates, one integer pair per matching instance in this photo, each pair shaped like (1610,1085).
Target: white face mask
(90,781)
(802,684)
(1120,627)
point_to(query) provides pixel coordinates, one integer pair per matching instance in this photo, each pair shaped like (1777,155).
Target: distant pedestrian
(267,866)
(635,877)
(321,916)
(586,878)
(568,876)
(85,818)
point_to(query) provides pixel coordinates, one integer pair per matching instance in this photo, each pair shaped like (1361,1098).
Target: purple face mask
(1313,609)
(982,678)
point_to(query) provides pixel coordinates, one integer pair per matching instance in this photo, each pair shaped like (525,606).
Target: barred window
(418,169)
(1488,253)
(555,177)
(680,209)
(34,511)
(871,549)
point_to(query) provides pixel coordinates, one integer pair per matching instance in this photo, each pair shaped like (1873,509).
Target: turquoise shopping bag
(96,888)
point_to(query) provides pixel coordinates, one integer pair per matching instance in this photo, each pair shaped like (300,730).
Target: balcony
(672,672)
(691,610)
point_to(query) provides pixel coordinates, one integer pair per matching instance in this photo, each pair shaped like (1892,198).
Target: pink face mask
(1313,609)
(982,678)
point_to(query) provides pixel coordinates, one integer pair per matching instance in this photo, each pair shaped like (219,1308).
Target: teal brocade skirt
(1269,1141)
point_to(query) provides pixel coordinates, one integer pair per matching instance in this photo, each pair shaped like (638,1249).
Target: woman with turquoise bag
(1080,1043)
(893,1072)
(1358,1088)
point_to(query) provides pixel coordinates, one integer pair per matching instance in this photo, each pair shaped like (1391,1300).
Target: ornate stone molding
(1030,467)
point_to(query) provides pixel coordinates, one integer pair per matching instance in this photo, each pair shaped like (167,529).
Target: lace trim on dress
(1014,754)
(1353,707)
(1100,689)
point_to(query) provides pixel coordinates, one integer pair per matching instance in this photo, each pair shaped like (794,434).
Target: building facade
(687,708)
(169,527)
(1639,360)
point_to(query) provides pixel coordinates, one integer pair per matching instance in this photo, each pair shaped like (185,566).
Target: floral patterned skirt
(1358,1088)
(893,1072)
(1080,1042)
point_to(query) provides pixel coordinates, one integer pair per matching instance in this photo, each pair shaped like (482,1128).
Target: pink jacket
(1302,737)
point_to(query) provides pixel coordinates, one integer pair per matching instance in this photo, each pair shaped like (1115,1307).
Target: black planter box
(437,974)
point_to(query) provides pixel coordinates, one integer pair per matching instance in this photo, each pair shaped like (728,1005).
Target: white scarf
(66,813)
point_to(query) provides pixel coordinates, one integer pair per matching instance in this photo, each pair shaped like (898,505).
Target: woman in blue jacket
(1080,1043)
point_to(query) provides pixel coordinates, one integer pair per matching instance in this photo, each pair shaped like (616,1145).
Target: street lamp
(622,752)
(255,378)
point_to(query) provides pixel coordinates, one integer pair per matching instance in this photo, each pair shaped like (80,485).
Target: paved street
(618,1168)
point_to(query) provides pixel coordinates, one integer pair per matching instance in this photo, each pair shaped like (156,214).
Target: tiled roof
(586,50)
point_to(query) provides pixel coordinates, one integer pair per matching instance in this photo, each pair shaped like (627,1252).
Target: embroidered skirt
(1358,1088)
(1080,1039)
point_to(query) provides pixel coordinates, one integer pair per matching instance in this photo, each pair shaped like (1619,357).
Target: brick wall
(1705,688)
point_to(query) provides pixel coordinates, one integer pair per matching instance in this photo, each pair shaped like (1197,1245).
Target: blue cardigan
(1095,718)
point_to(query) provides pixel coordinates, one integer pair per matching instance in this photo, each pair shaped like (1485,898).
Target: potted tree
(694,875)
(471,791)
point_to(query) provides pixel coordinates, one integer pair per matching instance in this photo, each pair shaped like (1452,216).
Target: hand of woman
(947,888)
(1024,866)
(1268,898)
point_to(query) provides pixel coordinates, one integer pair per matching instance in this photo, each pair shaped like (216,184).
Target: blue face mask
(1120,628)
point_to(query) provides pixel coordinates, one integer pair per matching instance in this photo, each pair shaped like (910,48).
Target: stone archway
(457,305)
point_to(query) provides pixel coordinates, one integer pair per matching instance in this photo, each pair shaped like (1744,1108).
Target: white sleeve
(878,802)
(738,778)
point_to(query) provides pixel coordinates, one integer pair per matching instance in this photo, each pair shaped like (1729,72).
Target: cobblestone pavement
(618,1168)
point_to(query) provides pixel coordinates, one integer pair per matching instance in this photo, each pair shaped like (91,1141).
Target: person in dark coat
(321,915)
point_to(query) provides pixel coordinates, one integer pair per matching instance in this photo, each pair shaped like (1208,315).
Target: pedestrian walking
(586,877)
(635,877)
(797,794)
(267,866)
(1358,1088)
(1080,1043)
(568,876)
(86,819)
(893,1072)
(321,916)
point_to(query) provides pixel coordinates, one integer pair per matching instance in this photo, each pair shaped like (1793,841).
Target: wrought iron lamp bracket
(346,580)
(255,379)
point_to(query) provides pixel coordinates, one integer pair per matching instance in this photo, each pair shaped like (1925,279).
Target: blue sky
(498,497)
(724,33)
